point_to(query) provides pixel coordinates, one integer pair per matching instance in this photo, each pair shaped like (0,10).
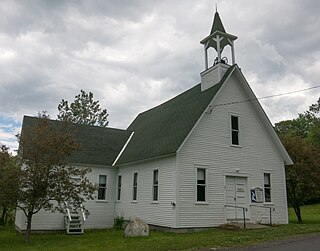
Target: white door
(236,192)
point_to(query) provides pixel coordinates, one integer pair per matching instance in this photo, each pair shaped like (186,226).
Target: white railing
(83,214)
(68,210)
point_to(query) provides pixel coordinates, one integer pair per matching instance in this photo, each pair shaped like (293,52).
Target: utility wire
(271,96)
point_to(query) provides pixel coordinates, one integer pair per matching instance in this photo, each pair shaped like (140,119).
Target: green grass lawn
(112,239)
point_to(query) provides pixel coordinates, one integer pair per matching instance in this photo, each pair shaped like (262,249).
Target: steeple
(217,24)
(218,39)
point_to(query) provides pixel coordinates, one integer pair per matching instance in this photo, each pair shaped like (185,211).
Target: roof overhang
(227,39)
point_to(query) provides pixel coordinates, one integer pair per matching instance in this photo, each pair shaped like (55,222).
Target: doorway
(236,196)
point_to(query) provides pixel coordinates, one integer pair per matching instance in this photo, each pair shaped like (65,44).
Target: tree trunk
(28,230)
(3,216)
(298,212)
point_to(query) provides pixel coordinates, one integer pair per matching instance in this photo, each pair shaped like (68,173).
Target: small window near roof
(234,130)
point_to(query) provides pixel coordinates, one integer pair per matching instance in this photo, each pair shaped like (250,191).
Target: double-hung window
(267,187)
(102,190)
(235,130)
(135,187)
(119,188)
(155,187)
(201,184)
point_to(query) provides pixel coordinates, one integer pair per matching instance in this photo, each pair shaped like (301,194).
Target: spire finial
(216,7)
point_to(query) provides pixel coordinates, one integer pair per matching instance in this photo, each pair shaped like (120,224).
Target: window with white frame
(135,186)
(119,187)
(102,190)
(155,187)
(235,130)
(201,184)
(267,187)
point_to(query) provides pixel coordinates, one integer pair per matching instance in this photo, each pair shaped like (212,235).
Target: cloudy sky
(135,54)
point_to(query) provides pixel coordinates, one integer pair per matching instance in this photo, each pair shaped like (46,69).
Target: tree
(84,110)
(9,182)
(301,137)
(315,108)
(303,177)
(46,180)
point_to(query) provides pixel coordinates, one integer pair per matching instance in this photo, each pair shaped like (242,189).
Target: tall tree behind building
(301,138)
(83,110)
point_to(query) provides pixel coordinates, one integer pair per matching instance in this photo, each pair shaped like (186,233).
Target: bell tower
(218,40)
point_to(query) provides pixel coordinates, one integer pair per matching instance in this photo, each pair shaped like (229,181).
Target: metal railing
(270,211)
(244,209)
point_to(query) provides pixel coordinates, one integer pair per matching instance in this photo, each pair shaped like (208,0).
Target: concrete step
(239,225)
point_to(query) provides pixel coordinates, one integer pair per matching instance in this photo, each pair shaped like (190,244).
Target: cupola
(218,39)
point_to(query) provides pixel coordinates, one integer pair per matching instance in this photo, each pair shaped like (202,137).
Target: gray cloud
(136,54)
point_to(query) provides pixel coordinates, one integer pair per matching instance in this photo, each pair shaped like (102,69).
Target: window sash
(119,187)
(267,187)
(102,189)
(135,186)
(201,184)
(234,130)
(235,123)
(155,187)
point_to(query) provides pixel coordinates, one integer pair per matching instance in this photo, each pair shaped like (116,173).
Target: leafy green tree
(9,182)
(315,108)
(83,110)
(303,177)
(47,181)
(301,137)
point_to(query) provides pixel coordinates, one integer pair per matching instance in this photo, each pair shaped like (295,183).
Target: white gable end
(209,146)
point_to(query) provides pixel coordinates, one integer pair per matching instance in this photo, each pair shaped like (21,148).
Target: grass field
(112,239)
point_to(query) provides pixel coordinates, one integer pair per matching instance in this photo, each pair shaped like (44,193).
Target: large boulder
(136,227)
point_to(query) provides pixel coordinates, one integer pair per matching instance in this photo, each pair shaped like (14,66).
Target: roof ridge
(169,100)
(76,124)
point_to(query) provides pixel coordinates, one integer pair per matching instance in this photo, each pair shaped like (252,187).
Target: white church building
(199,160)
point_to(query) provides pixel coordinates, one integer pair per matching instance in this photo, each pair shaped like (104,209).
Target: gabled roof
(100,145)
(162,129)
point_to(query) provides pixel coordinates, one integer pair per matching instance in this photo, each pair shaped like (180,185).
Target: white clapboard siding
(159,213)
(101,212)
(209,145)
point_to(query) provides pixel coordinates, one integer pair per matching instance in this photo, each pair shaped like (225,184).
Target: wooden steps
(74,225)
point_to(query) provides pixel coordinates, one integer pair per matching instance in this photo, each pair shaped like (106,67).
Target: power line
(270,96)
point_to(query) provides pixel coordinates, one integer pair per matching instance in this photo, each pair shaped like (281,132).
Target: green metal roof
(162,129)
(157,132)
(100,145)
(217,24)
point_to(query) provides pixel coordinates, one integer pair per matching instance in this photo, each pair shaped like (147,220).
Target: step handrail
(270,208)
(244,209)
(68,210)
(83,213)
